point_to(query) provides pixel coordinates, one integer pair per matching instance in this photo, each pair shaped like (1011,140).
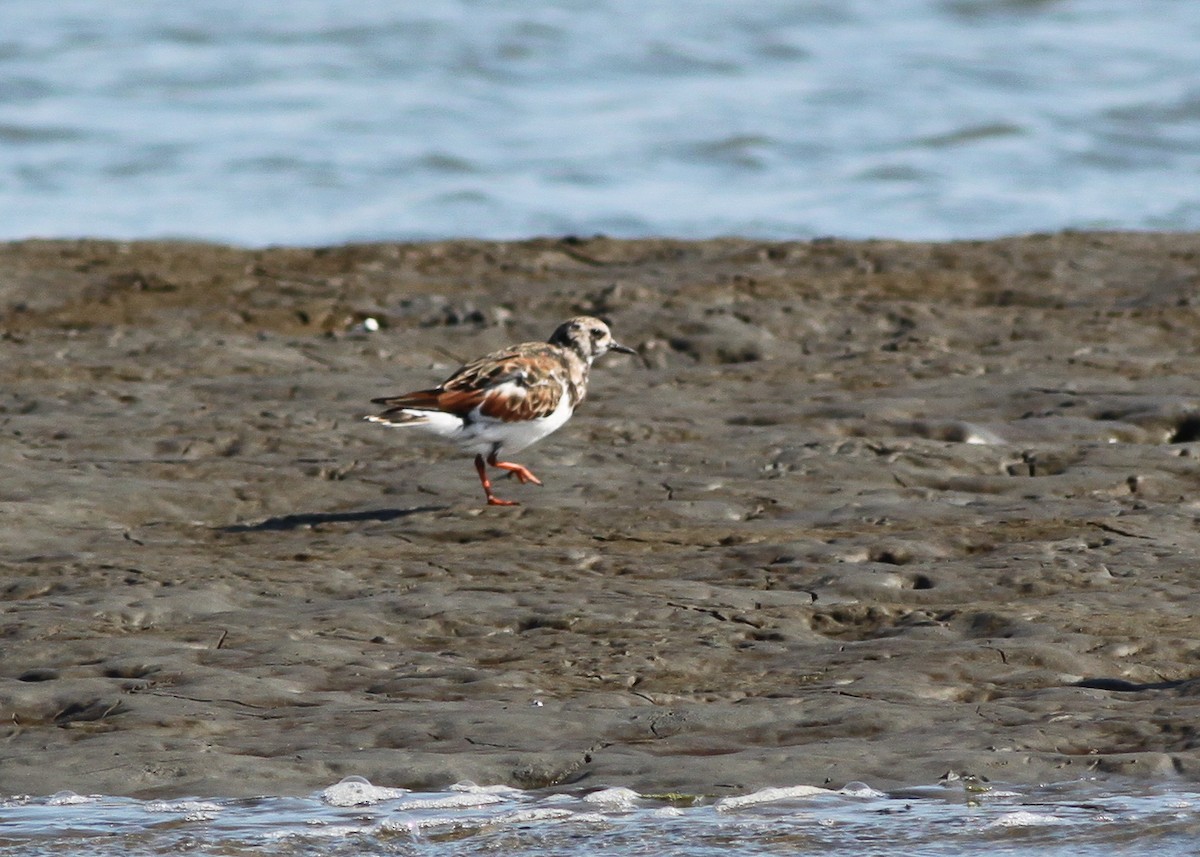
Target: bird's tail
(399,418)
(410,409)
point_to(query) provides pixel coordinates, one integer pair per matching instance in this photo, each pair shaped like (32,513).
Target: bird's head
(588,337)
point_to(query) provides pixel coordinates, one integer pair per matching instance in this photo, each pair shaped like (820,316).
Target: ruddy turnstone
(509,399)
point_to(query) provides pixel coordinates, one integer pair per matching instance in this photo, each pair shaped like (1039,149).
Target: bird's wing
(520,383)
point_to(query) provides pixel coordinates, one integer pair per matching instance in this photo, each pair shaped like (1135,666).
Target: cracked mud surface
(861,511)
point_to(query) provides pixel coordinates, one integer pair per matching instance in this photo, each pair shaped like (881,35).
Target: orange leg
(523,474)
(492,499)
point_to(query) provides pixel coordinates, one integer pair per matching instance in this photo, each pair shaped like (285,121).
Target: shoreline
(861,511)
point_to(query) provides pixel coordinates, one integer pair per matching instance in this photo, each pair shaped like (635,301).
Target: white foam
(468,786)
(1022,818)
(447,823)
(857,789)
(614,798)
(438,824)
(852,816)
(529,816)
(187,807)
(770,795)
(356,791)
(456,801)
(590,818)
(316,830)
(67,798)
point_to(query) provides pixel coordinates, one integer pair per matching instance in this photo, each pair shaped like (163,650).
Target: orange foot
(523,474)
(492,499)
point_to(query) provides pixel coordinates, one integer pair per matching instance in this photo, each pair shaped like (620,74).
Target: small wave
(1027,819)
(771,795)
(68,798)
(356,791)
(354,816)
(457,801)
(614,798)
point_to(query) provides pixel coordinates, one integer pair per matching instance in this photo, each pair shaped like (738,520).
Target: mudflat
(865,511)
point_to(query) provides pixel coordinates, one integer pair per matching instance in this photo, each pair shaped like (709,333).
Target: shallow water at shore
(355,817)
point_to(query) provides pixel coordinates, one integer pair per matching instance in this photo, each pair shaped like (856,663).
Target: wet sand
(860,511)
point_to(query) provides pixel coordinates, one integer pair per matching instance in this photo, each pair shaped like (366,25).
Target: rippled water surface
(355,817)
(319,121)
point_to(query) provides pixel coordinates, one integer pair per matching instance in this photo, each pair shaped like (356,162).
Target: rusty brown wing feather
(519,383)
(460,403)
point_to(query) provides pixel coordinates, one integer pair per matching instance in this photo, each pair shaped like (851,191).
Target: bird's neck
(578,367)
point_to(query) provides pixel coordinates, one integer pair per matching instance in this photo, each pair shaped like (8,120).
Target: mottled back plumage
(521,382)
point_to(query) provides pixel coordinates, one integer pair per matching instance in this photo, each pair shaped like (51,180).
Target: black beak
(624,349)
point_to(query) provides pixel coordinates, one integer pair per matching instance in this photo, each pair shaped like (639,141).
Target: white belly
(483,435)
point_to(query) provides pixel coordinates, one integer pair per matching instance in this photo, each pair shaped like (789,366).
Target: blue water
(356,818)
(318,121)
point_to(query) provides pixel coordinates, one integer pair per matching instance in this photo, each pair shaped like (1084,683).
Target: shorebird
(508,400)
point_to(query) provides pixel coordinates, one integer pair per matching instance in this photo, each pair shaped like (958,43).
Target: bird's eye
(597,333)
